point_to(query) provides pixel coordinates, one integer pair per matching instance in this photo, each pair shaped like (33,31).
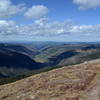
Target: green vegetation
(19,77)
(11,79)
(95,55)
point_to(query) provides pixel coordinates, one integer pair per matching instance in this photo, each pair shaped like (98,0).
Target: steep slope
(21,48)
(77,82)
(13,63)
(55,60)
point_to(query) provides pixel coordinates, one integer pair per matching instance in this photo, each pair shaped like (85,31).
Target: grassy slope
(78,82)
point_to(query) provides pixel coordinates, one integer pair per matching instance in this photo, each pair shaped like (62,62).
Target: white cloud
(36,11)
(8,28)
(87,4)
(63,31)
(7,8)
(41,21)
(87,29)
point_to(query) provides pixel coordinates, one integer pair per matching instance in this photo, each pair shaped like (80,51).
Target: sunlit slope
(77,82)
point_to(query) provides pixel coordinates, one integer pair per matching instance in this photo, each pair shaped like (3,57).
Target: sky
(50,20)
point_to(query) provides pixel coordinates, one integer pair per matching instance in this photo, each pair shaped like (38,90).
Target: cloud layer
(37,11)
(87,4)
(64,31)
(7,9)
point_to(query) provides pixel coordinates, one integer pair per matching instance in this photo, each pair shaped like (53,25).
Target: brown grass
(68,83)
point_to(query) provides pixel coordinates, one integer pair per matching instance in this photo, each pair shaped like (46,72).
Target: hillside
(21,48)
(77,82)
(16,63)
(68,54)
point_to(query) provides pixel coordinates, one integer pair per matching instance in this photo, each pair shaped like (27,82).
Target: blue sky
(57,20)
(65,9)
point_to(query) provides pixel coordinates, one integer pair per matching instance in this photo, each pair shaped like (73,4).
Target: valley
(21,60)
